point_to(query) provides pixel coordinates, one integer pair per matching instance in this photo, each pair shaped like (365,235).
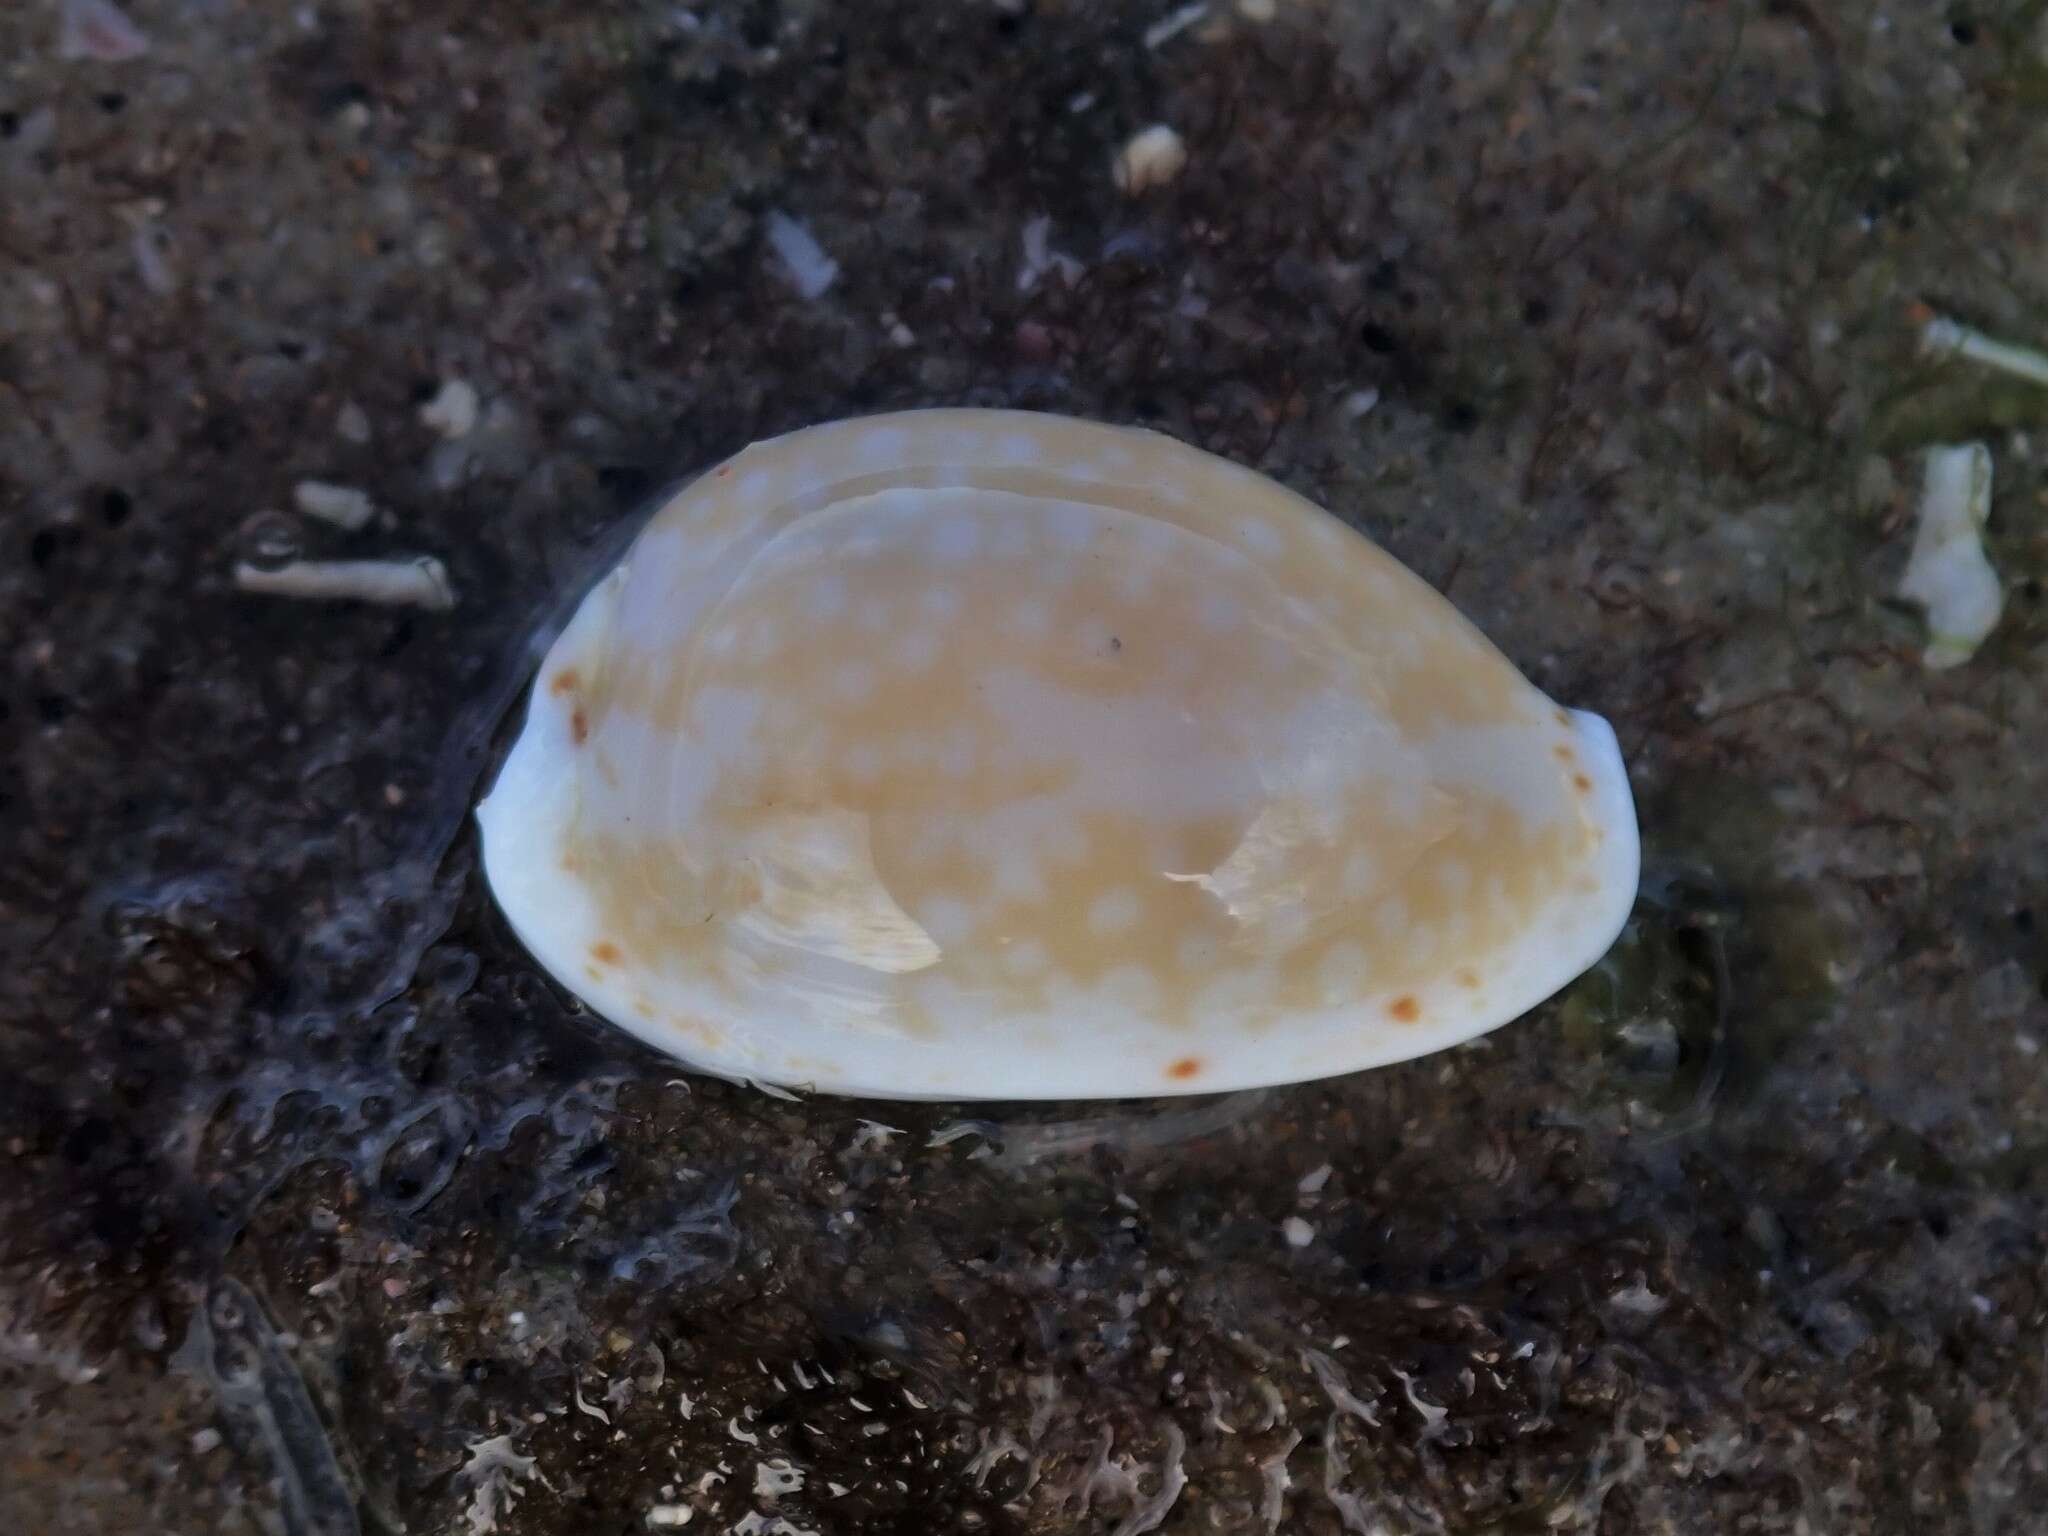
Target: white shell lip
(532,806)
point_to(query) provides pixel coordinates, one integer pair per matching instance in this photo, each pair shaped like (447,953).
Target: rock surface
(320,1211)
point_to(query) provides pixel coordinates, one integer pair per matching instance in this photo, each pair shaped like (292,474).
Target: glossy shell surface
(985,754)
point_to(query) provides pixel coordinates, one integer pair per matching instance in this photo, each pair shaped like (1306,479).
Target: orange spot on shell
(1468,977)
(579,727)
(565,681)
(1185,1068)
(605,952)
(1562,752)
(1582,784)
(1405,1009)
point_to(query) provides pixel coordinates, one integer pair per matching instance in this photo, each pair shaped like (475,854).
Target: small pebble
(1312,1182)
(804,262)
(352,423)
(1299,1233)
(1151,159)
(342,505)
(453,410)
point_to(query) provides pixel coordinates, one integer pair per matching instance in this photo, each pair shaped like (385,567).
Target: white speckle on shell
(892,780)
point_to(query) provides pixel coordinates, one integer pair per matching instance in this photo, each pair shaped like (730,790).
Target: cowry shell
(986,754)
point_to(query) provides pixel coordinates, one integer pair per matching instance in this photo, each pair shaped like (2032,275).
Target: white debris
(1044,1392)
(1276,1405)
(1352,1510)
(1216,1421)
(1299,1233)
(205,1440)
(686,1405)
(494,1471)
(352,423)
(1258,10)
(992,1451)
(772,1479)
(667,1517)
(1432,1416)
(1312,1182)
(1336,1388)
(1171,25)
(1040,259)
(1944,338)
(809,269)
(98,29)
(1106,1477)
(1638,1299)
(582,1407)
(1273,1474)
(744,1436)
(1147,1515)
(420,581)
(873,1134)
(652,1381)
(758,1524)
(342,505)
(150,244)
(1948,573)
(1360,403)
(1151,159)
(454,409)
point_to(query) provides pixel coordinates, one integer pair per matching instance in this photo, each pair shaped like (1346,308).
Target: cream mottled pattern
(989,754)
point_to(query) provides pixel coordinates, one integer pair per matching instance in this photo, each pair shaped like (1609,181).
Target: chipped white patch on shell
(982,754)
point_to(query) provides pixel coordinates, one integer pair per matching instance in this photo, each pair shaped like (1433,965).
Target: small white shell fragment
(809,270)
(1152,158)
(1040,259)
(1299,1233)
(774,1478)
(418,581)
(454,409)
(1941,337)
(342,505)
(1948,572)
(669,1517)
(1175,22)
(976,754)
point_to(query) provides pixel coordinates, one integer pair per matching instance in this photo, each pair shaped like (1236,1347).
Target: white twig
(418,581)
(1944,337)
